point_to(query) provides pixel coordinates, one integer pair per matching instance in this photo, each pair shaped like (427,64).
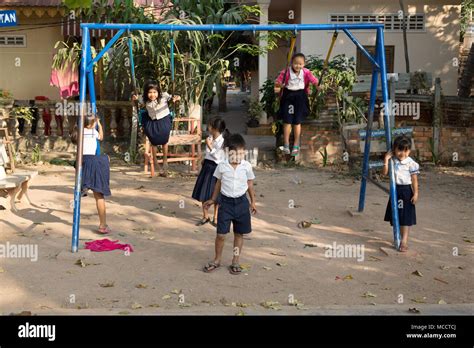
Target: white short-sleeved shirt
(158,109)
(404,170)
(90,141)
(217,153)
(234,181)
(296,81)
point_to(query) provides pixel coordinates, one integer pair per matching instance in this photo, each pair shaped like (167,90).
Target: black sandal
(211,266)
(203,222)
(213,223)
(235,269)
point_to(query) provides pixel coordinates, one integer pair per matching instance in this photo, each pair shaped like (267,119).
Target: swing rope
(325,66)
(288,62)
(326,61)
(173,84)
(135,106)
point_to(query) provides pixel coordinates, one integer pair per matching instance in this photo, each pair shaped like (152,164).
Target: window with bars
(392,21)
(12,40)
(364,66)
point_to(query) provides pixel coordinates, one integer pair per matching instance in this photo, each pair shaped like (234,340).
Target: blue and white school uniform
(156,120)
(406,209)
(234,207)
(95,168)
(206,180)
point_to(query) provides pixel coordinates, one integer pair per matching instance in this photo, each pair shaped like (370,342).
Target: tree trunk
(222,95)
(243,82)
(467,75)
(405,41)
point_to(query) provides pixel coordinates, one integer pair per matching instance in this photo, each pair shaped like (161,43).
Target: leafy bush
(338,80)
(269,101)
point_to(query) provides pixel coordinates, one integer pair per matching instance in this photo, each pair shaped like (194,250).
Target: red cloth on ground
(107,245)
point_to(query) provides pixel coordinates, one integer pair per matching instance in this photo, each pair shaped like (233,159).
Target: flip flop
(403,248)
(235,269)
(104,230)
(203,222)
(210,267)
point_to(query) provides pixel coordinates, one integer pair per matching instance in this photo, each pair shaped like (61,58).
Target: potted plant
(255,111)
(269,99)
(6,99)
(6,104)
(23,112)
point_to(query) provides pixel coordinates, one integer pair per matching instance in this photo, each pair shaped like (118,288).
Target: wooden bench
(190,136)
(400,81)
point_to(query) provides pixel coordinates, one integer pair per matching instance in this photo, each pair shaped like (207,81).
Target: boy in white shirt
(234,179)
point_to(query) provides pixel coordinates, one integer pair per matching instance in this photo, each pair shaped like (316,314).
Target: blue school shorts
(235,211)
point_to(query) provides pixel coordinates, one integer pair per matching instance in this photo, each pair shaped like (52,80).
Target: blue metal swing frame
(378,63)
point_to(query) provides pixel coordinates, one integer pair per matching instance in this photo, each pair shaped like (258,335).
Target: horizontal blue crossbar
(381,132)
(231,27)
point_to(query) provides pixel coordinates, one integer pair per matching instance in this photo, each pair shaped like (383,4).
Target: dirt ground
(163,274)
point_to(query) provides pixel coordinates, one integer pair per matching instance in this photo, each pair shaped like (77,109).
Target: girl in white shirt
(294,83)
(95,168)
(406,172)
(155,117)
(206,181)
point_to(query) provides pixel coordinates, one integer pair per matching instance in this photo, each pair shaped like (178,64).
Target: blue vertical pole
(172,57)
(368,132)
(78,180)
(172,72)
(388,136)
(90,80)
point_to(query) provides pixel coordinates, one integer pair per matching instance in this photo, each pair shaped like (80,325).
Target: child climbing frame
(378,62)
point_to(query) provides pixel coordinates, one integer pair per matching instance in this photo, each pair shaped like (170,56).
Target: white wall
(31,78)
(431,51)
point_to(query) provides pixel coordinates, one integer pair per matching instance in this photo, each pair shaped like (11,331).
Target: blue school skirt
(294,106)
(406,209)
(157,131)
(96,174)
(205,182)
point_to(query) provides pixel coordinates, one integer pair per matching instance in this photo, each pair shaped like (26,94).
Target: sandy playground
(286,268)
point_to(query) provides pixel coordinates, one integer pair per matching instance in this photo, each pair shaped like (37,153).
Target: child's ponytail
(226,134)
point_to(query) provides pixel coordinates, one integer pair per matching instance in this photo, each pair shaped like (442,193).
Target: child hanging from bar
(406,172)
(155,117)
(294,102)
(206,180)
(95,168)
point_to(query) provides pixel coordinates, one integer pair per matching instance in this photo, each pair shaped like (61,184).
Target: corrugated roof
(55,3)
(42,3)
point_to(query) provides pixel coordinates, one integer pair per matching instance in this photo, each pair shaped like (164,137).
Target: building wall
(31,78)
(431,51)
